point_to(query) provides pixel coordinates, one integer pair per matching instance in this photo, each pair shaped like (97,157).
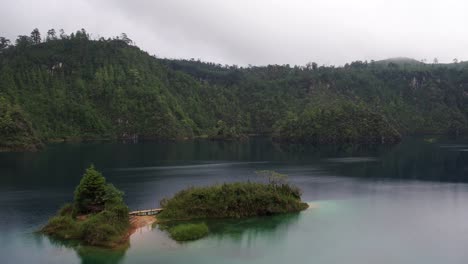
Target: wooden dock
(153,211)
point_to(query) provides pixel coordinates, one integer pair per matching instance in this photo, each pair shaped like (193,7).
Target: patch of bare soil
(140,221)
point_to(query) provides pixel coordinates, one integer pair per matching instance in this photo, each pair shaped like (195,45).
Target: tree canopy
(73,86)
(89,194)
(93,194)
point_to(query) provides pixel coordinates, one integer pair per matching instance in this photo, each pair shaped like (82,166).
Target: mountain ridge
(75,87)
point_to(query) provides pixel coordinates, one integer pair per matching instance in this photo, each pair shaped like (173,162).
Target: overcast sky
(260,32)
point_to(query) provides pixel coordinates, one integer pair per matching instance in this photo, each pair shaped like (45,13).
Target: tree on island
(103,220)
(93,194)
(90,193)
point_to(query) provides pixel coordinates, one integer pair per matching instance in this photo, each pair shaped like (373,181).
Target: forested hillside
(69,86)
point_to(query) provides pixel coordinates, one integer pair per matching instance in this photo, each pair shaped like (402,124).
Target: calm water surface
(402,204)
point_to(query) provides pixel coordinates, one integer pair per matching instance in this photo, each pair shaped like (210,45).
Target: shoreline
(137,222)
(44,143)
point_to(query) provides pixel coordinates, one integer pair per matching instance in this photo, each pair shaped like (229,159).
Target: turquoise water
(400,204)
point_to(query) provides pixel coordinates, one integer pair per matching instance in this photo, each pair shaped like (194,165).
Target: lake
(381,204)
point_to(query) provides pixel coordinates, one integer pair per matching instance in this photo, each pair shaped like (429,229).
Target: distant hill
(400,60)
(72,87)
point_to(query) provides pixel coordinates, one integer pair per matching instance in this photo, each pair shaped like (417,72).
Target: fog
(259,32)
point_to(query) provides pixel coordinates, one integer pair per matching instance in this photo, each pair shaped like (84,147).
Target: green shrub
(66,209)
(242,199)
(63,227)
(187,232)
(97,233)
(119,213)
(106,228)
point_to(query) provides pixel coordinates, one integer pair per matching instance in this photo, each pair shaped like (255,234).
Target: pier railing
(153,211)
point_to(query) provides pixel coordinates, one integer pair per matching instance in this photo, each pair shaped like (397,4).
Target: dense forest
(62,87)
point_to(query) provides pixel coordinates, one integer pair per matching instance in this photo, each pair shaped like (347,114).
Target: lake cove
(370,201)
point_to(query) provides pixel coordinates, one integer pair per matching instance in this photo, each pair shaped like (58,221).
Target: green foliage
(98,216)
(66,210)
(4,43)
(73,87)
(90,194)
(233,200)
(187,232)
(105,228)
(223,131)
(16,133)
(62,226)
(339,123)
(112,196)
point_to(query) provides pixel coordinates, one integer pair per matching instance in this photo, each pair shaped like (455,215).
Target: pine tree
(36,36)
(91,192)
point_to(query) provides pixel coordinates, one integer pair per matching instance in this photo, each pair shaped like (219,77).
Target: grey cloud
(260,31)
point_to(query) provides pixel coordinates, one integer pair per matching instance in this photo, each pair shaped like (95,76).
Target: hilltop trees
(62,34)
(126,39)
(4,43)
(36,36)
(51,35)
(341,123)
(23,41)
(71,86)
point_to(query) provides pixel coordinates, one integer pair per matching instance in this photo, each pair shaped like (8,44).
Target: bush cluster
(233,200)
(97,217)
(187,232)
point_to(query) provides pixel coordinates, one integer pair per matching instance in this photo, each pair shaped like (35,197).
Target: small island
(228,200)
(99,217)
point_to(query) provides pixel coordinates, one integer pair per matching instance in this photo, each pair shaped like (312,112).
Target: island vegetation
(188,231)
(228,200)
(60,86)
(97,217)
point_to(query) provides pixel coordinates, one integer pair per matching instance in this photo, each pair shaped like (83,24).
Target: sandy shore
(139,222)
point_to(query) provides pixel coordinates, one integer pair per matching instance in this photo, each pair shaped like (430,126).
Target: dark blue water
(387,204)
